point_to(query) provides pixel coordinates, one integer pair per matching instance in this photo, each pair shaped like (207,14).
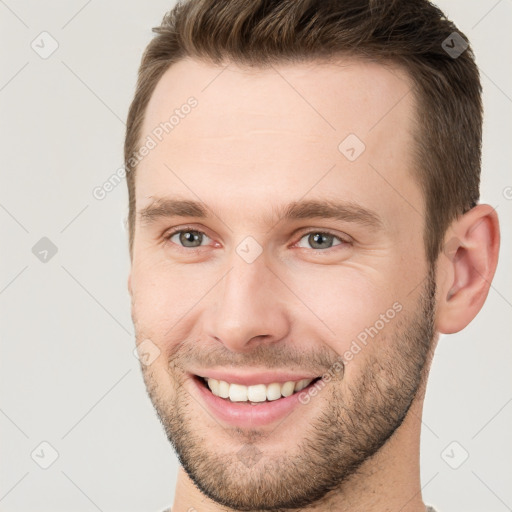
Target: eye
(321,240)
(188,238)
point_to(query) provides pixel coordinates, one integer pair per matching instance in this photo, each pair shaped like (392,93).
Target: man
(304,222)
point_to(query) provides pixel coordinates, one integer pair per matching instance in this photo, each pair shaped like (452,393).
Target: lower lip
(245,414)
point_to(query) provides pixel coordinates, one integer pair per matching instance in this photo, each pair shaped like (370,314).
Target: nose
(249,307)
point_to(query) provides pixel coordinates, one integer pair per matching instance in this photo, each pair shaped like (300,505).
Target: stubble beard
(356,421)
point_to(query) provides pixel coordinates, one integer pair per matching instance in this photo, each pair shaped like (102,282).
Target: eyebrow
(296,210)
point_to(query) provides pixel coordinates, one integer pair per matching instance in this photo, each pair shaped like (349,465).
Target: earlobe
(467,264)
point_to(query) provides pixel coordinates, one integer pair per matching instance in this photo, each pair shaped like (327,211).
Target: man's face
(248,290)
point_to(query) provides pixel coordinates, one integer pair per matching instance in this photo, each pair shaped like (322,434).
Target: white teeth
(255,393)
(237,393)
(213,384)
(273,391)
(288,388)
(301,384)
(223,389)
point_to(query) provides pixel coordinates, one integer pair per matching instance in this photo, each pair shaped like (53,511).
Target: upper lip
(250,379)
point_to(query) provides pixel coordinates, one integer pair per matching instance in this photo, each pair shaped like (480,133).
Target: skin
(259,139)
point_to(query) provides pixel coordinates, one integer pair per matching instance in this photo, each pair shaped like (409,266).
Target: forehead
(341,94)
(265,131)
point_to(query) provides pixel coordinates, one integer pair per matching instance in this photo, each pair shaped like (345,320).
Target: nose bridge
(246,305)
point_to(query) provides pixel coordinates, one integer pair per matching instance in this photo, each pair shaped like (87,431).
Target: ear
(466,267)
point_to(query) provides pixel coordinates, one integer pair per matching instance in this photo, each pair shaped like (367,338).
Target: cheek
(337,303)
(346,299)
(362,308)
(156,300)
(166,300)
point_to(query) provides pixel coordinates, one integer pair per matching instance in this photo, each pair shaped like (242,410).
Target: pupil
(189,237)
(318,239)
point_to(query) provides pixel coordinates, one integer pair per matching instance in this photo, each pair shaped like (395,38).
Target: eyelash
(342,241)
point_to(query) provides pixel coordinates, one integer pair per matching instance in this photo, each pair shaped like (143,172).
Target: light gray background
(68,373)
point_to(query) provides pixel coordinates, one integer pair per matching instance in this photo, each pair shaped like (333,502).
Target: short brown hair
(414,34)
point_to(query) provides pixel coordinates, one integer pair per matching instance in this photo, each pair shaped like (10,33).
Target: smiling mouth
(255,394)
